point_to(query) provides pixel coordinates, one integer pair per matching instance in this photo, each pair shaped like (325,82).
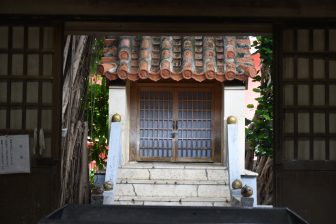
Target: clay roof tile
(177,57)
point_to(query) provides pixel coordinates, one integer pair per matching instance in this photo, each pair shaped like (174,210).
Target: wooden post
(84,179)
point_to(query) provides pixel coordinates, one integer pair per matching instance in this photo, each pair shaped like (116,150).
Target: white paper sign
(14,154)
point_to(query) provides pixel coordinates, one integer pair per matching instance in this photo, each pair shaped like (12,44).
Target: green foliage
(260,132)
(97,110)
(97,114)
(91,177)
(96,54)
(250,106)
(264,46)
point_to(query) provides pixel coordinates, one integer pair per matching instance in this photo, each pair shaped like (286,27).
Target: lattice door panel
(308,95)
(194,126)
(156,125)
(305,118)
(27,83)
(175,124)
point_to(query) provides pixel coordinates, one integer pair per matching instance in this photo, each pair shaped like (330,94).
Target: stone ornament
(231,120)
(246,191)
(108,186)
(116,117)
(237,184)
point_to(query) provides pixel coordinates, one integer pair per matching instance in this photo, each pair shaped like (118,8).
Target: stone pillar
(118,104)
(113,160)
(234,105)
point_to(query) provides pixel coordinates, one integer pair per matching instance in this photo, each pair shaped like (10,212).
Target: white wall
(234,104)
(118,99)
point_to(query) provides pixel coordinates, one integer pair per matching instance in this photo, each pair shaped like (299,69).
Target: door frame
(295,179)
(217,122)
(44,170)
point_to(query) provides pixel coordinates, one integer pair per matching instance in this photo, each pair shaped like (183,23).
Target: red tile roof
(177,57)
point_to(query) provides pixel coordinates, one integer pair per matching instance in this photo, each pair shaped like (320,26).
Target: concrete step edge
(199,166)
(156,203)
(172,182)
(173,199)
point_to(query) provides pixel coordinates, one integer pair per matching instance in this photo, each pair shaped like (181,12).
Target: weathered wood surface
(171,214)
(183,8)
(84,186)
(74,166)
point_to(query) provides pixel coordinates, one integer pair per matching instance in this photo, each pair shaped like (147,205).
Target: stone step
(169,190)
(172,182)
(169,173)
(165,165)
(174,203)
(172,199)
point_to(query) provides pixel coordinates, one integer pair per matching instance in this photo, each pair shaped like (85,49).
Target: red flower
(93,165)
(89,145)
(99,82)
(94,79)
(102,155)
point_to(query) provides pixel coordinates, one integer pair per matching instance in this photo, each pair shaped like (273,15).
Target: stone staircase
(172,184)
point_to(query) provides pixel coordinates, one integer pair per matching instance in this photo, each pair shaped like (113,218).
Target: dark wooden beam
(200,8)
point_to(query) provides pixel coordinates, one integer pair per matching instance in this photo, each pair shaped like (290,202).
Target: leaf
(260,132)
(250,106)
(266,116)
(257,78)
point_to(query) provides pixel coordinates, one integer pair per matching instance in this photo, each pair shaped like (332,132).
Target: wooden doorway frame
(217,90)
(255,25)
(314,175)
(42,185)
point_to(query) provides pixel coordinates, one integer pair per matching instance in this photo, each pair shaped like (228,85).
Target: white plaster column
(113,160)
(118,104)
(234,104)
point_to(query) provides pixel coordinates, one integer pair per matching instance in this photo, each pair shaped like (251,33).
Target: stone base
(247,202)
(169,184)
(239,201)
(108,197)
(97,199)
